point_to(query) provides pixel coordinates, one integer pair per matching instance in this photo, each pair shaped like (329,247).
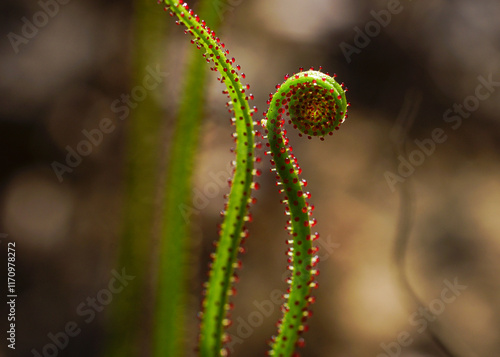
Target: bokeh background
(428,59)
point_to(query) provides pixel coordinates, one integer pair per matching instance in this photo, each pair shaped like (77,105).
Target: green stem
(144,121)
(215,304)
(170,331)
(316,105)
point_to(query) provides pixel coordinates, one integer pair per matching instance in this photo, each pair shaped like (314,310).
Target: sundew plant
(313,103)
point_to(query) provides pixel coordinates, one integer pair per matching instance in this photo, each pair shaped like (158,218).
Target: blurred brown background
(421,71)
